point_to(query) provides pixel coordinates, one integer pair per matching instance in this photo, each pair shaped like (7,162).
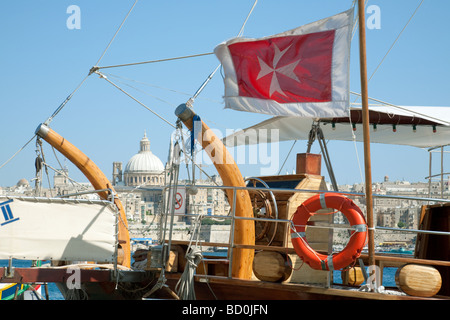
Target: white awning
(57,229)
(422,127)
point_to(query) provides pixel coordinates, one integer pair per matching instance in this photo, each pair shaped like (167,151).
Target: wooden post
(366,130)
(244,231)
(95,176)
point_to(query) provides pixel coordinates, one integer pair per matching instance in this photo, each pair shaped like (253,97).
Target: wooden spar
(366,131)
(95,176)
(244,231)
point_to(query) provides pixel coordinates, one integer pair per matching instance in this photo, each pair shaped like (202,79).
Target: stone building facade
(144,168)
(140,185)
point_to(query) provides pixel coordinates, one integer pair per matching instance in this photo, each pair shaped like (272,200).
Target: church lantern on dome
(144,168)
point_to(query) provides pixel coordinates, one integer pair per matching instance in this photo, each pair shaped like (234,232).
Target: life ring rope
(302,236)
(357,240)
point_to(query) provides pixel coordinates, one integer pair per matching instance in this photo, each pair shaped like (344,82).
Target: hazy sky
(43,59)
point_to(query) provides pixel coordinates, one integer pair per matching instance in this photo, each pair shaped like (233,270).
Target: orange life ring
(357,240)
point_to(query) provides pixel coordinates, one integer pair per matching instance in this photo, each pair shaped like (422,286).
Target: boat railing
(232,216)
(432,176)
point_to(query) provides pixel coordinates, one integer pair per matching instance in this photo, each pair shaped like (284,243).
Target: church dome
(23,182)
(144,161)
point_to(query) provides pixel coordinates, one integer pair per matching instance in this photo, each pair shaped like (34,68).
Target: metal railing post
(233,221)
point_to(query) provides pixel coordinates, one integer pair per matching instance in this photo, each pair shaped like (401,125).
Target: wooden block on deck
(216,268)
(271,266)
(418,280)
(172,263)
(302,273)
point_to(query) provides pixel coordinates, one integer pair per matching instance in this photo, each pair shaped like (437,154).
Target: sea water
(54,293)
(387,281)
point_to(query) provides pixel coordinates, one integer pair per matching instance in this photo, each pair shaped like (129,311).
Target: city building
(140,185)
(208,201)
(144,168)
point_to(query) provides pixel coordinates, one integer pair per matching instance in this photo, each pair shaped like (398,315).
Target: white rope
(76,89)
(75,294)
(199,90)
(39,153)
(185,286)
(18,151)
(65,175)
(159,87)
(382,60)
(155,61)
(129,95)
(241,32)
(356,21)
(47,122)
(72,181)
(395,41)
(289,153)
(120,27)
(403,109)
(148,94)
(356,147)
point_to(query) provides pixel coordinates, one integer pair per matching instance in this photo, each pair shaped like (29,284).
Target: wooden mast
(97,179)
(244,231)
(366,129)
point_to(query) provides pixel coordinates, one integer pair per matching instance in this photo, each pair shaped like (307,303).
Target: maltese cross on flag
(301,72)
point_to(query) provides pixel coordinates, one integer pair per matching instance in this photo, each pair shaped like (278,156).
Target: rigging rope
(18,151)
(185,285)
(287,156)
(376,69)
(241,31)
(395,41)
(120,27)
(153,61)
(356,21)
(382,60)
(404,109)
(40,152)
(169,209)
(356,147)
(146,93)
(96,68)
(65,175)
(156,87)
(47,122)
(142,104)
(129,95)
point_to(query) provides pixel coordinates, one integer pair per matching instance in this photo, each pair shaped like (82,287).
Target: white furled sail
(422,127)
(57,229)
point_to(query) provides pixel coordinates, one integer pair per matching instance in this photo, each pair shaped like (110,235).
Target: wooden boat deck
(224,288)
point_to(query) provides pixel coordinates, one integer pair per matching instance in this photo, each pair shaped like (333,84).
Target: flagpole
(366,130)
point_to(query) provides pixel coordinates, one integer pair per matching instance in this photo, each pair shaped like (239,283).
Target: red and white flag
(301,72)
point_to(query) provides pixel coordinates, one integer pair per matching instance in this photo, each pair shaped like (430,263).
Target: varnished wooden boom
(95,176)
(244,232)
